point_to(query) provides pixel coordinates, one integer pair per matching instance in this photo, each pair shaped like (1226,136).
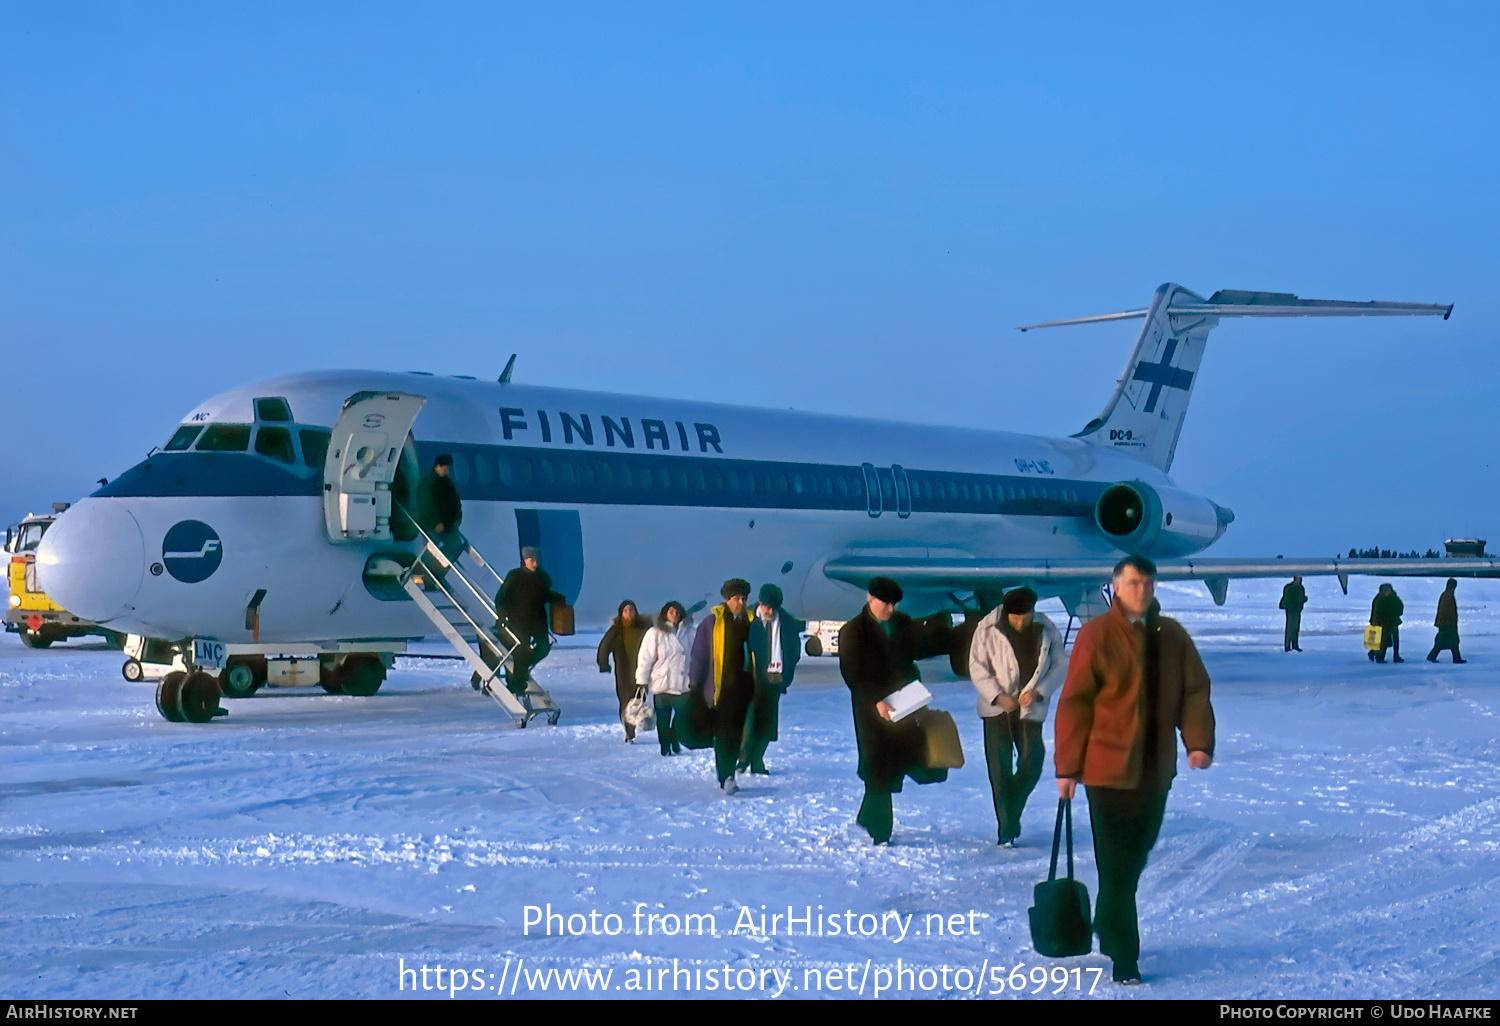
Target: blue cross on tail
(1159,374)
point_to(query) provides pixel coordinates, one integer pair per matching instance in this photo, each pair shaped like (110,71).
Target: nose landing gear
(189,697)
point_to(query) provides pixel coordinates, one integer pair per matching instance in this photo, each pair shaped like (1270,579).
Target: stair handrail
(484,600)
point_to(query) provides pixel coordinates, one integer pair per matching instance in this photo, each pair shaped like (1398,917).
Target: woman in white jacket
(662,666)
(1016,661)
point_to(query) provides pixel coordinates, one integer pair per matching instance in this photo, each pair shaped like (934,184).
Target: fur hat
(770,595)
(443,460)
(885,589)
(734,586)
(531,552)
(1018,601)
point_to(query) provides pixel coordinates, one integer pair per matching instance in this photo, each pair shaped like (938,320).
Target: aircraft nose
(92,559)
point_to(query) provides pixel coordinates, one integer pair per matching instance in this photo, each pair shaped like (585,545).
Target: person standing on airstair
(522,603)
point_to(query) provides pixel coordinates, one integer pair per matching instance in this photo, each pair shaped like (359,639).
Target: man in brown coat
(1446,623)
(1134,680)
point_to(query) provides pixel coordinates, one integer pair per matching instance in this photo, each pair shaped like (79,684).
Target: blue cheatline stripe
(591,477)
(210,474)
(503,473)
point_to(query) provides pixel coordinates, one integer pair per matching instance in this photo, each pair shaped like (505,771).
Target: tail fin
(1145,414)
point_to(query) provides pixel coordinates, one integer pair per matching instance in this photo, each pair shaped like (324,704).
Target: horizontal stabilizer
(1237,303)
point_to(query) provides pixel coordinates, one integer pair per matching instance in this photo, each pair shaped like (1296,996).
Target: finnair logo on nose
(192,551)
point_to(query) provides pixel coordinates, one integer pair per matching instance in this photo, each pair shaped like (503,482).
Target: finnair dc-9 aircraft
(269,531)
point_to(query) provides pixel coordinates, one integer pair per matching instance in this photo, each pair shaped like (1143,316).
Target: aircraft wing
(972,574)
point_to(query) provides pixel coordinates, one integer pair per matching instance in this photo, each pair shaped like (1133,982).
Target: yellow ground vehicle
(29,612)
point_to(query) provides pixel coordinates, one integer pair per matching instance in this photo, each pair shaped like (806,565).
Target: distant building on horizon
(1472,548)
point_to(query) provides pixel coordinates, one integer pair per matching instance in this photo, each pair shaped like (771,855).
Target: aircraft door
(903,491)
(874,505)
(363,457)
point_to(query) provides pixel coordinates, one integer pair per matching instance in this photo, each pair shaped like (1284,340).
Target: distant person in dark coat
(1134,681)
(1385,613)
(1293,598)
(720,673)
(1446,623)
(878,650)
(775,645)
(622,643)
(522,603)
(439,511)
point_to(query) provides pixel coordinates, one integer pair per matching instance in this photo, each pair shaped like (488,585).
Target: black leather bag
(1060,921)
(695,729)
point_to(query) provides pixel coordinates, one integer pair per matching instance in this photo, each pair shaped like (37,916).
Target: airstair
(459,606)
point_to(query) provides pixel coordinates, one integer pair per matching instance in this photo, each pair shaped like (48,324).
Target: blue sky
(866,197)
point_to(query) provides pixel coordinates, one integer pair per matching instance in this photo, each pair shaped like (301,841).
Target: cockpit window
(183,439)
(225,438)
(272,409)
(315,446)
(275,442)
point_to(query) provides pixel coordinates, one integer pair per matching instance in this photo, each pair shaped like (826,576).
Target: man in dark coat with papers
(877,657)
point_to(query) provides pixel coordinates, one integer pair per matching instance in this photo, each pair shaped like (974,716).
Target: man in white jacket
(1016,661)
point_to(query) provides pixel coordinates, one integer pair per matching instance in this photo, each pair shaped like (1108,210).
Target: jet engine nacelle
(1147,521)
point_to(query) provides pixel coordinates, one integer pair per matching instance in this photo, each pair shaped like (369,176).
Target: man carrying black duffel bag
(1134,681)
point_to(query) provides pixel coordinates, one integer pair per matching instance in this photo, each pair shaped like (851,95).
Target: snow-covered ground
(1346,842)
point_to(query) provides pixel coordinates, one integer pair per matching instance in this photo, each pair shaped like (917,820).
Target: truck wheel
(133,670)
(362,675)
(241,678)
(198,697)
(36,640)
(167,693)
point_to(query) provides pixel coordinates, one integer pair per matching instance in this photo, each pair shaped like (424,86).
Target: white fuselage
(629,497)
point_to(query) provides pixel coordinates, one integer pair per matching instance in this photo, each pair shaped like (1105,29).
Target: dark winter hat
(1018,601)
(885,589)
(734,586)
(444,460)
(1140,564)
(531,552)
(770,595)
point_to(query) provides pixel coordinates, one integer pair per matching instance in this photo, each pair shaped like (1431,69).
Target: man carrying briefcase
(878,650)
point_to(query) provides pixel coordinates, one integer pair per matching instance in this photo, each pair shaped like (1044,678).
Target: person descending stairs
(459,607)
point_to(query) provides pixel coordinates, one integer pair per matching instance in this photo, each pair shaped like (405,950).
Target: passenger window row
(485,472)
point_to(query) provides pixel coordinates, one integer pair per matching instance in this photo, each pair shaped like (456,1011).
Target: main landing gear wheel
(133,671)
(243,677)
(360,675)
(329,680)
(166,696)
